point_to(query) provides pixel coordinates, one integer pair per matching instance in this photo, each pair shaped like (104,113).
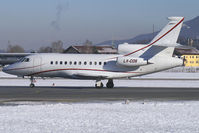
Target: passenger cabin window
(75,63)
(90,63)
(56,62)
(51,62)
(104,63)
(85,63)
(100,63)
(60,62)
(65,62)
(70,62)
(80,62)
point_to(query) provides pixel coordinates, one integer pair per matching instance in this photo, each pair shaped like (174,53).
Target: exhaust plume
(59,11)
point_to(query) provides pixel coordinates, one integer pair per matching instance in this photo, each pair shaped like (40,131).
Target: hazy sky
(36,23)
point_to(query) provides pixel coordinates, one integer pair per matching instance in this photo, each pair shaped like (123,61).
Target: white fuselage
(86,66)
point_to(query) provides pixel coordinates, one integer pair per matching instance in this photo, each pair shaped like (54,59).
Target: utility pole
(112,42)
(153,30)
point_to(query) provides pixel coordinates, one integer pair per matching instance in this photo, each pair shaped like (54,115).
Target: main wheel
(110,84)
(99,86)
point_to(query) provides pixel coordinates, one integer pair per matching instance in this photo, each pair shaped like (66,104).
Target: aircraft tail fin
(167,37)
(169,34)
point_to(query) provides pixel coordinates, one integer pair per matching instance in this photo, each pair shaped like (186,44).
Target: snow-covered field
(108,117)
(91,83)
(115,117)
(5,75)
(162,79)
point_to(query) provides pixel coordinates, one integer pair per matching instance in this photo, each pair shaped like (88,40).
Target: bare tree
(88,47)
(45,49)
(88,43)
(15,49)
(57,47)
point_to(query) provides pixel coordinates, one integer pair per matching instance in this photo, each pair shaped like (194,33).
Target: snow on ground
(91,83)
(137,116)
(5,75)
(115,117)
(172,75)
(185,80)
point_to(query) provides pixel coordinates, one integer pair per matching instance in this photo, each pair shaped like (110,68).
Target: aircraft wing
(87,76)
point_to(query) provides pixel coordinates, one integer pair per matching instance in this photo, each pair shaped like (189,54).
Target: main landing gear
(109,84)
(98,84)
(32,82)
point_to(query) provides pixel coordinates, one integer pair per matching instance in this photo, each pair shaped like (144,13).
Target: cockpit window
(21,60)
(25,60)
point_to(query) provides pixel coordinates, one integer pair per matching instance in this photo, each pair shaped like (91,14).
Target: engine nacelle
(128,48)
(131,61)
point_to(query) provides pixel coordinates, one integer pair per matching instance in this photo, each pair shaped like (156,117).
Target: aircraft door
(37,64)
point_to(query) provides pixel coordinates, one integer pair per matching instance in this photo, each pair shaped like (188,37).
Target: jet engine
(131,61)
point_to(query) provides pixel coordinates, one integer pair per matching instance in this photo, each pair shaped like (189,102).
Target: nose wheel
(32,82)
(32,85)
(110,83)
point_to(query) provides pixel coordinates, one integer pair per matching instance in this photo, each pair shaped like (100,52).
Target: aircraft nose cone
(13,69)
(5,69)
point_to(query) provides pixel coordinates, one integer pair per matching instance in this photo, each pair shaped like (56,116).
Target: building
(191,60)
(190,54)
(91,50)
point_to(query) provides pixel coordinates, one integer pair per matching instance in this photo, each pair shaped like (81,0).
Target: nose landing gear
(32,82)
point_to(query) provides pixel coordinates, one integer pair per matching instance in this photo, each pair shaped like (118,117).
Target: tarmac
(91,94)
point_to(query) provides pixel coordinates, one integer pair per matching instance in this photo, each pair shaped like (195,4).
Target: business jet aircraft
(132,60)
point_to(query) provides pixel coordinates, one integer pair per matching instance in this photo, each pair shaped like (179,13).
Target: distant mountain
(190,29)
